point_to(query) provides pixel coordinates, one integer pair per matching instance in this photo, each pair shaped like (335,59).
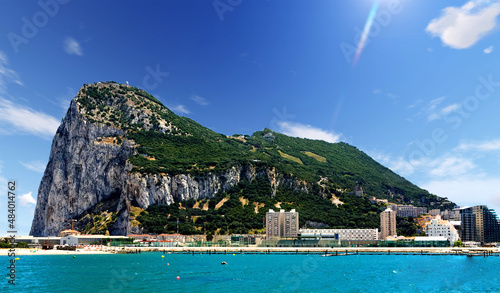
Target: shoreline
(266,250)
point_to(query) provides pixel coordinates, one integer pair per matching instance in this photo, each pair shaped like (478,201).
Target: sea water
(150,272)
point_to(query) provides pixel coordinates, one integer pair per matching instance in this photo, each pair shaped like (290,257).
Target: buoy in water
(223,263)
(17,258)
(168,264)
(234,254)
(162,256)
(74,256)
(178,277)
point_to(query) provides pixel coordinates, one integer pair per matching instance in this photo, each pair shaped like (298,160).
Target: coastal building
(442,228)
(282,224)
(478,224)
(171,237)
(408,210)
(340,234)
(375,200)
(431,241)
(387,223)
(89,239)
(142,237)
(435,212)
(38,242)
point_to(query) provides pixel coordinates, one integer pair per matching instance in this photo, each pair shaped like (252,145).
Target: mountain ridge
(120,150)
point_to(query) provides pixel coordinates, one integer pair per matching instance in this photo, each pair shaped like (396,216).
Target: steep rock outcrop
(87,166)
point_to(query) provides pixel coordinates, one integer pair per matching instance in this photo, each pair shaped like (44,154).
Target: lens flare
(366,31)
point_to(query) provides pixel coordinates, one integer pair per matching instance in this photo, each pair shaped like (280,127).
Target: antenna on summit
(127,83)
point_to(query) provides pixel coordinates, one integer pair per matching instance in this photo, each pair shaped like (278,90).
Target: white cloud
(71,46)
(433,110)
(27,199)
(7,75)
(398,165)
(377,91)
(491,145)
(449,109)
(433,115)
(443,166)
(37,166)
(392,96)
(462,27)
(180,109)
(24,119)
(200,100)
(488,50)
(307,131)
(450,166)
(467,190)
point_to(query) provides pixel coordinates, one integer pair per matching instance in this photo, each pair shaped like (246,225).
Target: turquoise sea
(149,272)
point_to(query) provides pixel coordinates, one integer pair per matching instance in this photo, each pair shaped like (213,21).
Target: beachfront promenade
(481,251)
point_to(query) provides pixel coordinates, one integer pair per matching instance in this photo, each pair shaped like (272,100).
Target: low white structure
(38,241)
(340,234)
(88,239)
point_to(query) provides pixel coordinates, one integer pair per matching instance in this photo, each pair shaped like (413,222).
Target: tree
(22,245)
(210,237)
(458,243)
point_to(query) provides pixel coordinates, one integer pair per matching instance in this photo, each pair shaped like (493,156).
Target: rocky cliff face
(89,165)
(119,151)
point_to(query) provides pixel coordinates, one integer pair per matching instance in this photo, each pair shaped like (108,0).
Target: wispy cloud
(450,166)
(442,112)
(72,47)
(37,166)
(397,164)
(467,189)
(484,146)
(392,96)
(488,50)
(462,27)
(7,75)
(200,100)
(434,109)
(27,199)
(180,109)
(20,118)
(307,131)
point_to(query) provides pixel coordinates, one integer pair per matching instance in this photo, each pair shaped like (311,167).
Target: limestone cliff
(89,165)
(118,148)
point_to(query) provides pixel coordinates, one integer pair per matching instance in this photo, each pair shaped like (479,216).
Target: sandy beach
(26,251)
(328,250)
(262,250)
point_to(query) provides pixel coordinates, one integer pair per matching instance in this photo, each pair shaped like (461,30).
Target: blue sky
(420,97)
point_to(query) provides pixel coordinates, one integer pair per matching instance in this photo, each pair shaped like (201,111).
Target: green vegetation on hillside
(172,144)
(235,217)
